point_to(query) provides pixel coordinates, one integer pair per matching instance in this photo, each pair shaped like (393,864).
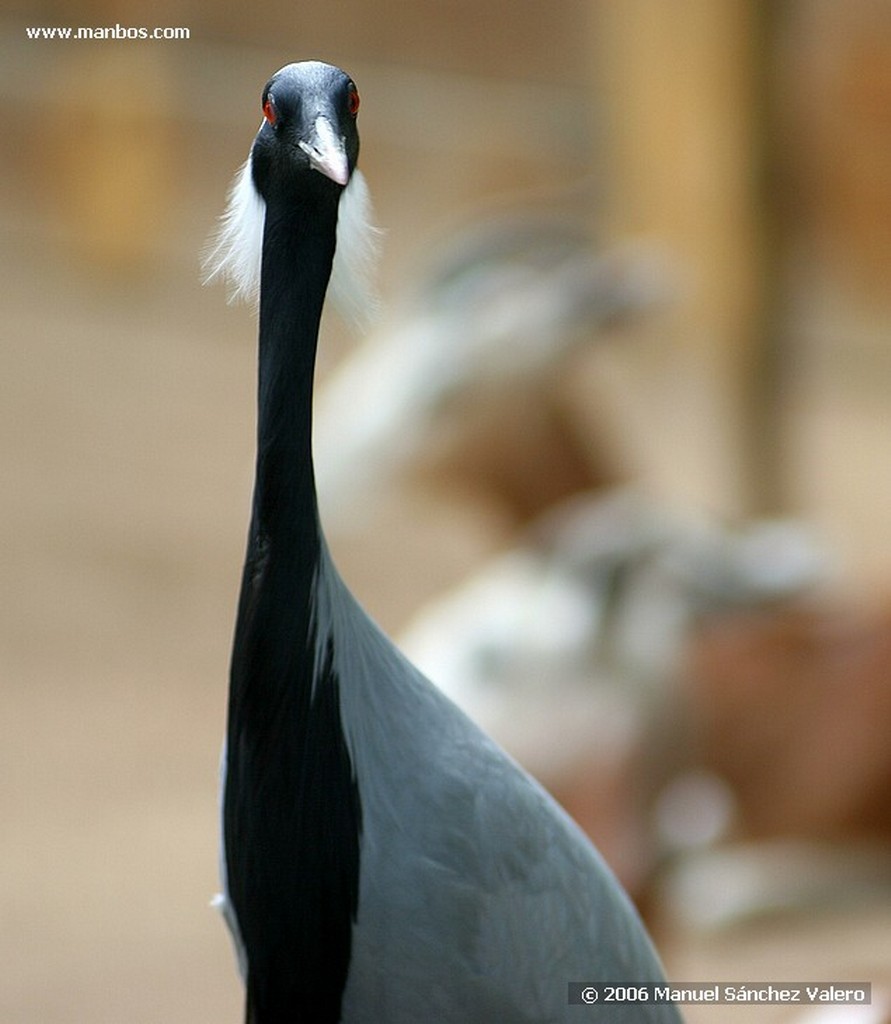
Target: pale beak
(326,152)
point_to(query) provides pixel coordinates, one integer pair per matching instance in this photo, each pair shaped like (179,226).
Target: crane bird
(486,340)
(382,859)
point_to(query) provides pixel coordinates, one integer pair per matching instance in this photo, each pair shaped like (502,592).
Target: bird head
(309,126)
(308,142)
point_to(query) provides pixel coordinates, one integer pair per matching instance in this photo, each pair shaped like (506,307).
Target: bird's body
(383,861)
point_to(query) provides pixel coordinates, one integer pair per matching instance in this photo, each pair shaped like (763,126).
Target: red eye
(353,101)
(269,111)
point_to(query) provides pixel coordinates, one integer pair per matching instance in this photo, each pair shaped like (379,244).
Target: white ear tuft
(355,259)
(236,250)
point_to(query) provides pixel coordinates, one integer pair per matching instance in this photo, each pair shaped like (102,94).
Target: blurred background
(611,462)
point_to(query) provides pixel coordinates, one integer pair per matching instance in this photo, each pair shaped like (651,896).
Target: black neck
(292,817)
(298,248)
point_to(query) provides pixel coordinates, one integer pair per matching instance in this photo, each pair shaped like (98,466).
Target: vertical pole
(690,150)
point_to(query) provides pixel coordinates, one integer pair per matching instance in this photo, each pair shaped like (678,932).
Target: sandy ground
(124,492)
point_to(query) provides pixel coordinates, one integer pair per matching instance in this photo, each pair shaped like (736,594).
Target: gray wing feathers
(471,877)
